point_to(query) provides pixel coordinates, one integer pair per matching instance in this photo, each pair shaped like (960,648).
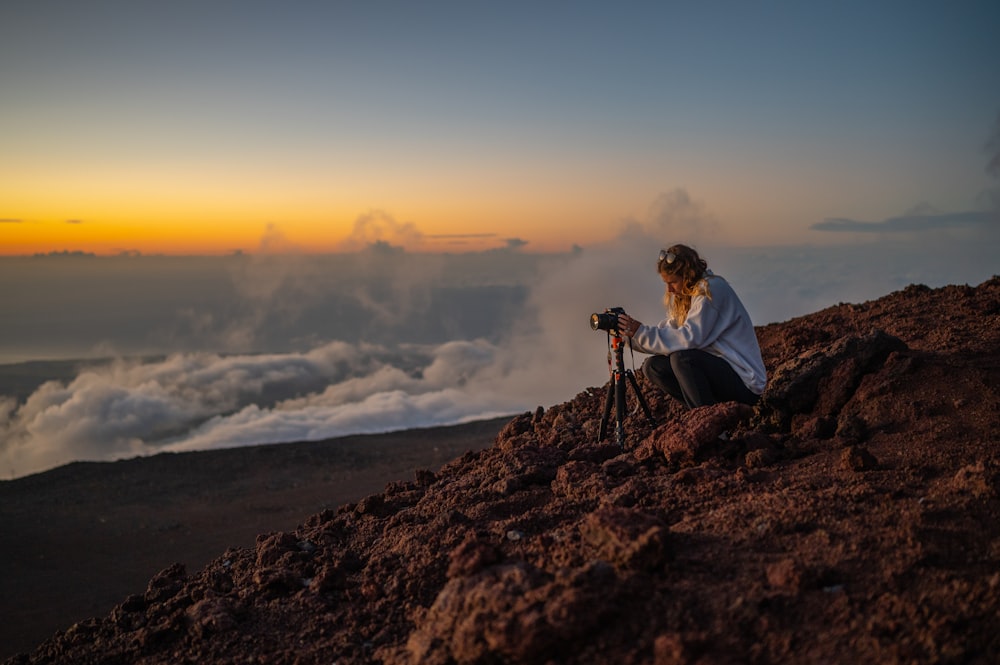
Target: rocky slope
(851,517)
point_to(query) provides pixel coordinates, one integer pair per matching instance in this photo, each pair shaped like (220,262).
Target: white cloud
(913,223)
(196,401)
(394,340)
(378,228)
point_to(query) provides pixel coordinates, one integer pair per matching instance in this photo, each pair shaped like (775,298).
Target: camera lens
(605,321)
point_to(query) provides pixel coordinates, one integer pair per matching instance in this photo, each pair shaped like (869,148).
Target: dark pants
(697,378)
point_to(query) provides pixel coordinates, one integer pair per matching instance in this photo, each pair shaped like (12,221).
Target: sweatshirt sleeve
(699,330)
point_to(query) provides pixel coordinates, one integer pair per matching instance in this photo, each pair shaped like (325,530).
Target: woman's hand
(627,325)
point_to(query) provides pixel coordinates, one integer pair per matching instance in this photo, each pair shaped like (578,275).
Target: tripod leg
(607,410)
(620,409)
(642,400)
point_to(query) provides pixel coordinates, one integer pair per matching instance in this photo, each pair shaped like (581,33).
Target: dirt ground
(853,516)
(78,539)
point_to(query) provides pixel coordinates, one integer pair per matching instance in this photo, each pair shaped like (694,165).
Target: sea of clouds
(215,352)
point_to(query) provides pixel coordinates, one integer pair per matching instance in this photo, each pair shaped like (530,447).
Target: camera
(608,320)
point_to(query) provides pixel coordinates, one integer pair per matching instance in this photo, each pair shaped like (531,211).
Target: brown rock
(627,538)
(697,434)
(858,458)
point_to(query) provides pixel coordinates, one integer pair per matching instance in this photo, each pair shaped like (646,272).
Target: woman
(706,349)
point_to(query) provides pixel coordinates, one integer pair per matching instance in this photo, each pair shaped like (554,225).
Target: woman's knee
(684,359)
(655,367)
(658,372)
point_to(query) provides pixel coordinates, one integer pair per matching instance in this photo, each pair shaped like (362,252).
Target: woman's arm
(699,330)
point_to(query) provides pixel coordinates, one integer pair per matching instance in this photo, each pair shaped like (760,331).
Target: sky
(211,128)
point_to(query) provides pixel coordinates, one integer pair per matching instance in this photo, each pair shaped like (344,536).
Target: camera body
(608,320)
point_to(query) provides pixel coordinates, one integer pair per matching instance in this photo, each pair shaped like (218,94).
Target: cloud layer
(909,223)
(307,348)
(200,401)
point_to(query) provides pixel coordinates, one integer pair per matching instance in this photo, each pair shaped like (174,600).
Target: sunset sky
(208,127)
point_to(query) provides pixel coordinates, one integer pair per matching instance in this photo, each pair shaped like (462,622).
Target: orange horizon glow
(29,237)
(179,209)
(263,218)
(551,231)
(298,222)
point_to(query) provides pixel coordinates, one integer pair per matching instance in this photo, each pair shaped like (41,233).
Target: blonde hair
(686,264)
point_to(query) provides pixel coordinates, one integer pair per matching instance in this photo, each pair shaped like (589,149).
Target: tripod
(616,391)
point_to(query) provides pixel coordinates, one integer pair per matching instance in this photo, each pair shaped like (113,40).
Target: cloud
(200,401)
(461,236)
(422,340)
(490,350)
(274,241)
(383,339)
(674,214)
(9,220)
(455,240)
(451,388)
(74,221)
(379,227)
(909,223)
(66,254)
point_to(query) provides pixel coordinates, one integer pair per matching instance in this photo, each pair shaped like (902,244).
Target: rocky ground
(79,538)
(851,517)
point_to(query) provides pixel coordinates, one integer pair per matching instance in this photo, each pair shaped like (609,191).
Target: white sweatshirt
(719,325)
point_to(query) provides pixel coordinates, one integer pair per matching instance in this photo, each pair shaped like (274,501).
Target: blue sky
(147,124)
